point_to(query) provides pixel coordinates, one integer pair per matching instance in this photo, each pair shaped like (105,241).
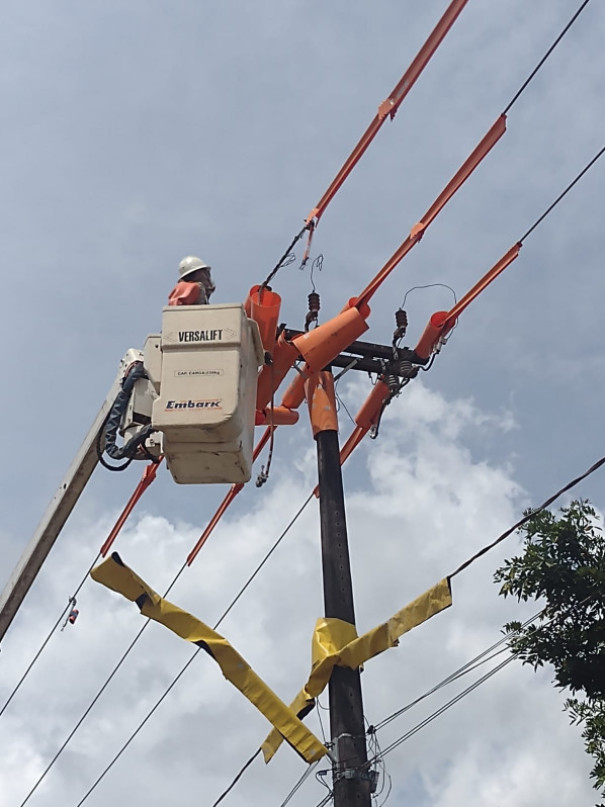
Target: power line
(528,517)
(299,784)
(546,55)
(48,638)
(482,658)
(443,709)
(474,685)
(561,195)
(97,696)
(237,776)
(180,673)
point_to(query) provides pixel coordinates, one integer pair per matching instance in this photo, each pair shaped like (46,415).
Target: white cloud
(423,505)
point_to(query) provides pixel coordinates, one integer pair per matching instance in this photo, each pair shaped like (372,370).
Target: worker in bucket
(195,283)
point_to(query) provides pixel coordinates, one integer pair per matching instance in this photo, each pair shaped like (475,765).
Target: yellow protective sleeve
(335,643)
(118,577)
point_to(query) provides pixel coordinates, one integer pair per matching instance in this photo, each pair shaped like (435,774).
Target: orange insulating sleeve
(370,411)
(262,305)
(319,346)
(278,416)
(184,294)
(271,376)
(432,332)
(481,150)
(148,476)
(322,402)
(462,174)
(233,491)
(390,105)
(295,394)
(487,278)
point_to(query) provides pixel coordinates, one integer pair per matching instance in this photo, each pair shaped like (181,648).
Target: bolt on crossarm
(351,782)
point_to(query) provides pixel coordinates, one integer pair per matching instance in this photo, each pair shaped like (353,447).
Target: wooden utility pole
(351,780)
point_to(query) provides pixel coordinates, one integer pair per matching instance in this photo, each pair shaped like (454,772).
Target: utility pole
(351,781)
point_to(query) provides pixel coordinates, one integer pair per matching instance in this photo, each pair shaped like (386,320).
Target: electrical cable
(482,658)
(443,709)
(299,784)
(180,673)
(564,193)
(326,800)
(474,685)
(545,57)
(237,777)
(428,286)
(283,258)
(528,516)
(46,641)
(97,696)
(344,406)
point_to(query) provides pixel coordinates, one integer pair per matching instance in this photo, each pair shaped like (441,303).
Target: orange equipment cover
(262,305)
(322,402)
(319,346)
(271,375)
(390,105)
(462,174)
(432,332)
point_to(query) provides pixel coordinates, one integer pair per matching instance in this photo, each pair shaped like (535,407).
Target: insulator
(406,369)
(392,381)
(313,309)
(401,318)
(314,302)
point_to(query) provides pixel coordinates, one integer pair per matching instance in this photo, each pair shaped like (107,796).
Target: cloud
(422,504)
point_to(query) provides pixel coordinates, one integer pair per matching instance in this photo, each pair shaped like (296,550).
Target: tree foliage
(563,564)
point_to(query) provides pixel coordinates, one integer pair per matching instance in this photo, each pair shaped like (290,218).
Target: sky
(136,133)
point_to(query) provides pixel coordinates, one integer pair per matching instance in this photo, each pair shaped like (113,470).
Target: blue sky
(136,133)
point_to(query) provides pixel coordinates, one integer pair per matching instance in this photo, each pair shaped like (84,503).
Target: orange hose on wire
(498,268)
(466,169)
(233,491)
(148,476)
(390,105)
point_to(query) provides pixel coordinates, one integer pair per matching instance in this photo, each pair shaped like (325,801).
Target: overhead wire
(48,637)
(95,699)
(300,783)
(415,729)
(528,517)
(561,195)
(481,658)
(571,484)
(442,709)
(183,669)
(529,79)
(236,779)
(270,276)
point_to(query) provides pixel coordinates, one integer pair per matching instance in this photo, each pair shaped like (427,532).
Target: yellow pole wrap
(115,575)
(335,643)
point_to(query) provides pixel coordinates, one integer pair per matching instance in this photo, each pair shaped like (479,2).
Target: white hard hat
(191,264)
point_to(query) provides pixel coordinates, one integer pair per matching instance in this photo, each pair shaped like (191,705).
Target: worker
(195,283)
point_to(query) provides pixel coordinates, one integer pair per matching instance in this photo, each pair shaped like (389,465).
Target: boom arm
(53,520)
